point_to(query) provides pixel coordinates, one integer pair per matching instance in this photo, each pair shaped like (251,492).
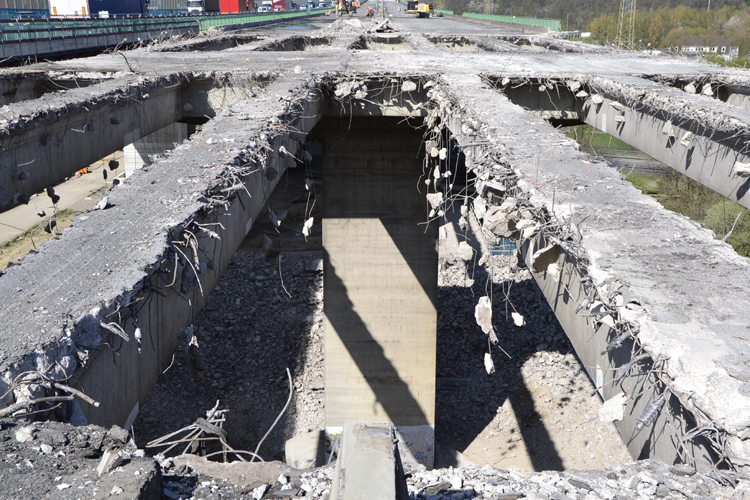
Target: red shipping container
(233,6)
(229,6)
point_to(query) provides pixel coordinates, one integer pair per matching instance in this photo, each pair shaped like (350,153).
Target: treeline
(663,27)
(659,22)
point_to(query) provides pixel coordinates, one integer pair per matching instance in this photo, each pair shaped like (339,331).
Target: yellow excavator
(416,8)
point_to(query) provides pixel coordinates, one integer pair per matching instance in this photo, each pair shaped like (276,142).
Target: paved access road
(450,25)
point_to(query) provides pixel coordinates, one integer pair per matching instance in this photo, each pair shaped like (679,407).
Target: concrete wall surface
(380,274)
(78,135)
(670,125)
(663,276)
(148,213)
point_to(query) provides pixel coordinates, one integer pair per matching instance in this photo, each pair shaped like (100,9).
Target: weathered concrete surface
(660,271)
(697,135)
(107,260)
(105,118)
(369,466)
(380,278)
(132,245)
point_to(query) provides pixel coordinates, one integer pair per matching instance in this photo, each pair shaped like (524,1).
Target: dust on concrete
(539,409)
(56,460)
(250,330)
(537,412)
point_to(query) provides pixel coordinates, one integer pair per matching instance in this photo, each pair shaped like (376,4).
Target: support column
(380,280)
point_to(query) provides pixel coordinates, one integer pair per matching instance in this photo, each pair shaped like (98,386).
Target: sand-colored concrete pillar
(380,280)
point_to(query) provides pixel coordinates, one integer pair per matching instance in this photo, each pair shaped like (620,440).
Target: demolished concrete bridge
(655,306)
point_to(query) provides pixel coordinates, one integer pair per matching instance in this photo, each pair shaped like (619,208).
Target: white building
(720,45)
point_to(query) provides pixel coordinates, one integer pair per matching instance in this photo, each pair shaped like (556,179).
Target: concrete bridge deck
(610,260)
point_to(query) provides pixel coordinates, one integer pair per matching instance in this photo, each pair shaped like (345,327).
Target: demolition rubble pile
(59,461)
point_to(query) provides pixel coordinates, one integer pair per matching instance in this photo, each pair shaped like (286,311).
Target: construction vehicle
(418,9)
(343,6)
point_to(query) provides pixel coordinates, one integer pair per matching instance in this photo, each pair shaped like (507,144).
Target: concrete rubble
(60,462)
(676,345)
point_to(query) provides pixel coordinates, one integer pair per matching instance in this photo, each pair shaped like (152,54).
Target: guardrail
(207,22)
(11,30)
(552,24)
(61,38)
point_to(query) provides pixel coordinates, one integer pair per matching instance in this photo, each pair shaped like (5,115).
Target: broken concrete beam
(369,465)
(130,250)
(608,256)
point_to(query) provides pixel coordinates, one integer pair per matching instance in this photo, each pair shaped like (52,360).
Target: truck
(69,8)
(196,6)
(117,7)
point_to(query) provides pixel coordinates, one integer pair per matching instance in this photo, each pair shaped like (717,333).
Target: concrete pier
(380,274)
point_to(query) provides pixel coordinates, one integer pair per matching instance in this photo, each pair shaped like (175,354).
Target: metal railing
(11,30)
(552,24)
(207,22)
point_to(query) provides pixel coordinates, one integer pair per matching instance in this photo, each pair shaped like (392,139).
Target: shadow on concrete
(391,392)
(249,332)
(463,415)
(370,150)
(371,170)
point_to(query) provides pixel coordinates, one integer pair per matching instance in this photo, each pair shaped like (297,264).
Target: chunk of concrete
(369,465)
(742,169)
(465,252)
(435,199)
(25,434)
(613,409)
(483,314)
(306,450)
(110,460)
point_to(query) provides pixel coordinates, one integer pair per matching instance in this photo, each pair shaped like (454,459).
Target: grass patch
(15,250)
(737,62)
(683,195)
(646,184)
(587,135)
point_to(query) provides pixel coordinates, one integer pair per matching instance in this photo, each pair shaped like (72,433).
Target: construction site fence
(45,29)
